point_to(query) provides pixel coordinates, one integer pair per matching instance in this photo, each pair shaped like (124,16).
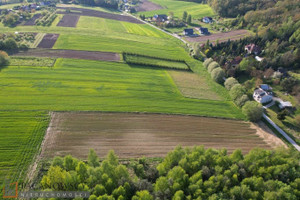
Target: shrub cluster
(238,93)
(216,72)
(47,19)
(183,174)
(4,59)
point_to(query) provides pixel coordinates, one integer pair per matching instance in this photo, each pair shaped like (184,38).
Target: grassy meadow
(178,7)
(82,85)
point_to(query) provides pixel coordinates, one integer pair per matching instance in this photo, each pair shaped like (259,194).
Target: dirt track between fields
(95,13)
(150,135)
(68,20)
(146,5)
(222,37)
(58,53)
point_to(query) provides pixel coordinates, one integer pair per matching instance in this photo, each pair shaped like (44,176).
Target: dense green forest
(190,173)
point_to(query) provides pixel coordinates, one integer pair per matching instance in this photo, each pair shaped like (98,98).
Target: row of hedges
(47,19)
(155,62)
(155,57)
(216,72)
(238,93)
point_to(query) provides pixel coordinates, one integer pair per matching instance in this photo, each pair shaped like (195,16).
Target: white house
(262,96)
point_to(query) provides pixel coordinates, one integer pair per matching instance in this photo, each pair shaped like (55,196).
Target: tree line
(185,173)
(113,4)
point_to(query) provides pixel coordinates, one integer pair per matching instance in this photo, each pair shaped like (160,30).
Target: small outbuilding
(188,31)
(160,18)
(285,104)
(204,31)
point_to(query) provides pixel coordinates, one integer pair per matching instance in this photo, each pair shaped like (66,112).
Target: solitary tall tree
(184,17)
(189,19)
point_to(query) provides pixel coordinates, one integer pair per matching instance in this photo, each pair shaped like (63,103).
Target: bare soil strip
(146,5)
(31,22)
(58,53)
(222,37)
(48,41)
(95,13)
(136,135)
(69,21)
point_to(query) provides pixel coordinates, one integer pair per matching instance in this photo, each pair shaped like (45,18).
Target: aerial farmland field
(136,135)
(75,70)
(102,86)
(178,7)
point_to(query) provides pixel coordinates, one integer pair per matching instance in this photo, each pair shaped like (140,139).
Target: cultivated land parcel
(178,7)
(28,93)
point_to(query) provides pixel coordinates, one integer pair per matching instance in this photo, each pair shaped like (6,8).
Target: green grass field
(144,30)
(178,7)
(83,85)
(21,134)
(156,62)
(150,46)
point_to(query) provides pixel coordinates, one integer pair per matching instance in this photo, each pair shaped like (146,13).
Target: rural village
(150,99)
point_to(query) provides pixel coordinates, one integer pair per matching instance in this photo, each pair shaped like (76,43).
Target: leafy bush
(10,19)
(253,110)
(212,66)
(282,114)
(241,100)
(4,58)
(230,82)
(237,91)
(218,74)
(207,62)
(288,83)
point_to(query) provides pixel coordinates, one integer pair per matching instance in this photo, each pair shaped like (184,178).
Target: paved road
(282,132)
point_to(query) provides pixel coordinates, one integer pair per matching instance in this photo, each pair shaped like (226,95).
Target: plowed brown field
(136,135)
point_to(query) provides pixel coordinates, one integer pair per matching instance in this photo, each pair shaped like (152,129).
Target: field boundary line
(173,35)
(38,39)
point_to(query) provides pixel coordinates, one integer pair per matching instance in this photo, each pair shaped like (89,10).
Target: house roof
(160,16)
(259,91)
(265,87)
(189,30)
(207,18)
(252,48)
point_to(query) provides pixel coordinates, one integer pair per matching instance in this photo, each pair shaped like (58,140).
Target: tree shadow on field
(141,66)
(3,67)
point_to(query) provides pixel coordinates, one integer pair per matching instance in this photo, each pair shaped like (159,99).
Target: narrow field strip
(56,53)
(48,40)
(38,39)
